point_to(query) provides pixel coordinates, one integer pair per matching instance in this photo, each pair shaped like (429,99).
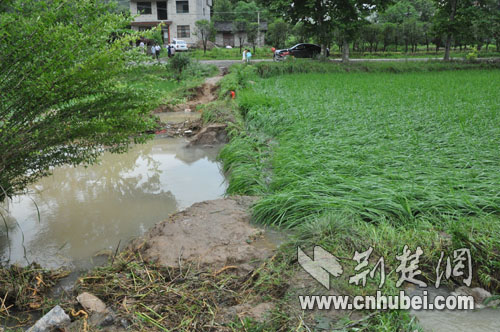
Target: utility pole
(258,28)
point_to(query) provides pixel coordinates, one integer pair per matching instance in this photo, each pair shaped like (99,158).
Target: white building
(178,17)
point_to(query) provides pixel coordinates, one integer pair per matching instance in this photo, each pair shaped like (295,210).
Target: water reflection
(84,210)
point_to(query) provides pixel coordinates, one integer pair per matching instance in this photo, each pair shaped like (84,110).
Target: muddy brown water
(478,320)
(87,211)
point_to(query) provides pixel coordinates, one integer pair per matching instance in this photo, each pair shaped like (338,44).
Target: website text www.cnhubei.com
(384,302)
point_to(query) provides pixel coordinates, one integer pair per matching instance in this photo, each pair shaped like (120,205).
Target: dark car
(298,51)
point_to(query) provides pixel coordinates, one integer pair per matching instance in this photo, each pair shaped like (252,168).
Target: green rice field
(395,147)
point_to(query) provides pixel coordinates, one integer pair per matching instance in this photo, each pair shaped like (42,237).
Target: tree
(206,31)
(388,34)
(246,10)
(222,11)
(452,16)
(252,33)
(323,16)
(63,98)
(239,30)
(277,33)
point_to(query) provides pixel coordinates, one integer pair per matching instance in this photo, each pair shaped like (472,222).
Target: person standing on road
(153,51)
(244,58)
(248,55)
(169,50)
(158,50)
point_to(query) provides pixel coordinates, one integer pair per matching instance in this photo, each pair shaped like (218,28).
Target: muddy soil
(210,135)
(216,234)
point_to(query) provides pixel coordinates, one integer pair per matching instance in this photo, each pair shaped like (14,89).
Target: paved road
(228,63)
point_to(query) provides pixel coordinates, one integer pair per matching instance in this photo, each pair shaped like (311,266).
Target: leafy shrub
(197,69)
(178,64)
(472,56)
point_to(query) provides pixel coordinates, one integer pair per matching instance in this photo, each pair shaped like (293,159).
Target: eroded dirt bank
(213,234)
(184,120)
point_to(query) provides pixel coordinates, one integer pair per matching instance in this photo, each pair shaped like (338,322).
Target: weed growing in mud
(24,290)
(155,298)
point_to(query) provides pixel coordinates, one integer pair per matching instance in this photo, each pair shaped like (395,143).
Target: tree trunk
(449,36)
(345,50)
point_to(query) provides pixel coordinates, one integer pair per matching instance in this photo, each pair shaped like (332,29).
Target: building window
(161,8)
(144,8)
(182,7)
(183,31)
(204,11)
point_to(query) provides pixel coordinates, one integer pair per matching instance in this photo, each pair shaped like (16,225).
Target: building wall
(198,10)
(219,40)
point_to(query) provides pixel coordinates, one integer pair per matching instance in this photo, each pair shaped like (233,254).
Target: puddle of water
(479,320)
(177,117)
(271,238)
(87,210)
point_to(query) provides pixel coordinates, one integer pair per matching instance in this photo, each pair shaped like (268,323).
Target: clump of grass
(238,78)
(26,289)
(156,298)
(220,111)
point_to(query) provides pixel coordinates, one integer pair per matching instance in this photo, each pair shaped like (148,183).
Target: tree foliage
(322,17)
(277,33)
(239,29)
(62,99)
(205,30)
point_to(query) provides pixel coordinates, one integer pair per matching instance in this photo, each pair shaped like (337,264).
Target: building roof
(228,26)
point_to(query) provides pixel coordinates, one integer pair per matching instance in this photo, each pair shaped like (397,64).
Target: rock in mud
(54,319)
(91,303)
(100,314)
(211,134)
(212,233)
(258,312)
(479,294)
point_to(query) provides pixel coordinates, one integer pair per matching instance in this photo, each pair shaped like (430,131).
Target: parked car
(179,45)
(298,51)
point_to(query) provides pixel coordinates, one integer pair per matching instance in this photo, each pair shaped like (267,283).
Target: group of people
(247,56)
(156,50)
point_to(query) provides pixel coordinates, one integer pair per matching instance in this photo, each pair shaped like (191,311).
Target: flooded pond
(84,211)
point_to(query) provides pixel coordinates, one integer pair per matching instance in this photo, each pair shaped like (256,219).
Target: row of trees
(383,24)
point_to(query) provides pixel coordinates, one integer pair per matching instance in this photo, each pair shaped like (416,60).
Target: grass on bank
(160,83)
(381,155)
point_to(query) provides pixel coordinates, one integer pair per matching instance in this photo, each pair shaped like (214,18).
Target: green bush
(178,63)
(238,78)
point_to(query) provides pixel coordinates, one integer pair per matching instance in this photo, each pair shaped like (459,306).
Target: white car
(179,45)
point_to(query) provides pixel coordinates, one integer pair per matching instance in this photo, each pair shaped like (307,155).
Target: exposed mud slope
(213,233)
(204,94)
